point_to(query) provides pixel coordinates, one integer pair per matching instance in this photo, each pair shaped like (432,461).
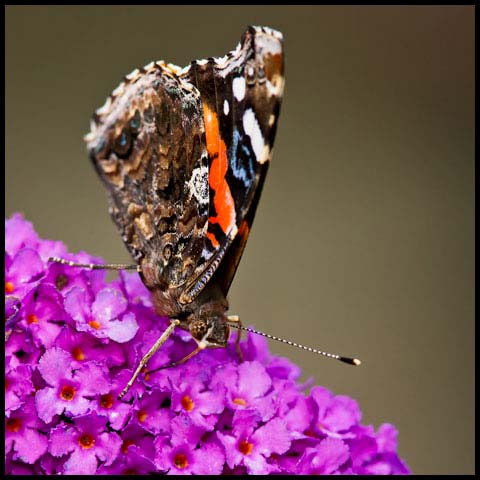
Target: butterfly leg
(149,355)
(174,364)
(94,266)
(236,319)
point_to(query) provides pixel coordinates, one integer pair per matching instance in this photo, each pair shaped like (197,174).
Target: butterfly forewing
(241,96)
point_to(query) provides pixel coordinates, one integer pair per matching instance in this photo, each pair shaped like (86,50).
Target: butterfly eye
(198,329)
(135,122)
(123,142)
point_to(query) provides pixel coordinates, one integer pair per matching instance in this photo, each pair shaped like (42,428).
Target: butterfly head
(207,319)
(209,331)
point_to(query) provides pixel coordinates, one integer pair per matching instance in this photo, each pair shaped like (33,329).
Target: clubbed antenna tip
(350,361)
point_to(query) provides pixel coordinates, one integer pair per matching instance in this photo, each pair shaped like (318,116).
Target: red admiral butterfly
(183,154)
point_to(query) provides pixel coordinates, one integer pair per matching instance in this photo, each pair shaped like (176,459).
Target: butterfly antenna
(95,266)
(350,361)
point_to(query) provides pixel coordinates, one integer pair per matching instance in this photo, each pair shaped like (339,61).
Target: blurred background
(363,243)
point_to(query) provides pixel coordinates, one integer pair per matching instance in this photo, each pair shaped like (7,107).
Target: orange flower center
(142,416)
(125,446)
(78,354)
(187,403)
(94,324)
(106,401)
(32,318)
(9,288)
(67,393)
(86,441)
(240,401)
(14,424)
(180,460)
(245,447)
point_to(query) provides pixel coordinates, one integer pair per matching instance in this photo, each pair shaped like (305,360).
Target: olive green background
(363,243)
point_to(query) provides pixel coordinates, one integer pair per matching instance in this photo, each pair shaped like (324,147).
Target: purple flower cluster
(73,341)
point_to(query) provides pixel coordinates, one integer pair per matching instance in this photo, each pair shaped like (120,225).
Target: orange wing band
(222,199)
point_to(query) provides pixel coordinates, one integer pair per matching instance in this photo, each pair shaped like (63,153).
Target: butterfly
(183,154)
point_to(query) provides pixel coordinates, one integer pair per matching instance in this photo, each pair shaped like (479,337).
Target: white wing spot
(174,68)
(226,108)
(105,107)
(133,74)
(184,70)
(198,184)
(238,87)
(233,232)
(221,61)
(252,129)
(119,90)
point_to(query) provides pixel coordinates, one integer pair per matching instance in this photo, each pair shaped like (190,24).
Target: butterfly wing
(183,156)
(241,96)
(148,146)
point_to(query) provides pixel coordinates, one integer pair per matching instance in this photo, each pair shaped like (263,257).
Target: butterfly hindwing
(148,146)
